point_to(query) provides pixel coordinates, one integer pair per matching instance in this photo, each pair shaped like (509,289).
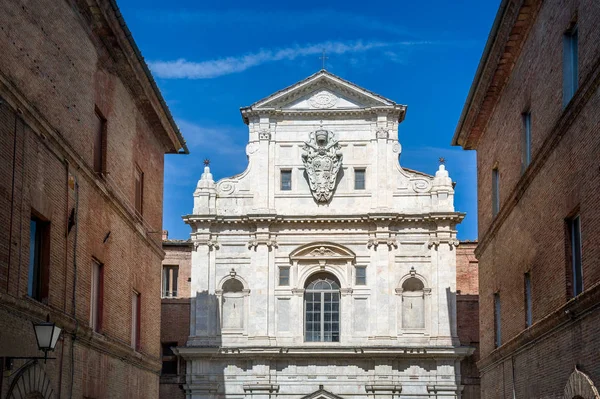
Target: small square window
(359,179)
(284,276)
(286,180)
(361,275)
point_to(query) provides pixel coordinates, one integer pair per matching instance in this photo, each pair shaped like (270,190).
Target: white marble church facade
(325,269)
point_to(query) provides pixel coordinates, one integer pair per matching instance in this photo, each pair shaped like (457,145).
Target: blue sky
(211,58)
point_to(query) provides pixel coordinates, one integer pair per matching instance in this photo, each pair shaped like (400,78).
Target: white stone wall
(246,228)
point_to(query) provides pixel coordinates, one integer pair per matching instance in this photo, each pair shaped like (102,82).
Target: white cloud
(184,69)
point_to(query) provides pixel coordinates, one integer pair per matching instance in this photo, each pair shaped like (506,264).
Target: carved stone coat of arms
(322,159)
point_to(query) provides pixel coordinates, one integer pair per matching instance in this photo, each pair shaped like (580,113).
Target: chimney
(165,235)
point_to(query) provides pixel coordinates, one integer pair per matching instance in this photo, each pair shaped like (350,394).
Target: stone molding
(376,388)
(375,242)
(435,242)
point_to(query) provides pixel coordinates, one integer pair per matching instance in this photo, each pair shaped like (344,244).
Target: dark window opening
(570,64)
(139,191)
(574,229)
(497,321)
(359,179)
(99,144)
(286,180)
(169,360)
(39,251)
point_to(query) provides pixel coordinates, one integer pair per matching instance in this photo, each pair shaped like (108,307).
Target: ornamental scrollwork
(322,159)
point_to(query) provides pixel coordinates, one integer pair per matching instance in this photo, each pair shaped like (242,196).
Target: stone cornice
(324,113)
(191,352)
(456,217)
(563,317)
(509,33)
(108,25)
(31,310)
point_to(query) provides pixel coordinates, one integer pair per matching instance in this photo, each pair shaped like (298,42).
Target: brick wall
(467,313)
(54,73)
(175,313)
(529,233)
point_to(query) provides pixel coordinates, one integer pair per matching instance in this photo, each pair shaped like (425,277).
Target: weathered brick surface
(467,314)
(57,67)
(175,313)
(529,234)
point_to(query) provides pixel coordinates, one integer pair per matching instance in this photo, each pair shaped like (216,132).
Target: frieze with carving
(322,159)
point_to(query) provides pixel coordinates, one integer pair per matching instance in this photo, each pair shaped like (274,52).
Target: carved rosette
(322,159)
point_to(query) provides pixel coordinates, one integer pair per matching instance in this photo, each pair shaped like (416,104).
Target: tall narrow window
(99,144)
(526,145)
(284,276)
(170,276)
(286,180)
(322,309)
(359,179)
(574,225)
(139,191)
(570,67)
(361,275)
(136,308)
(39,248)
(497,321)
(495,191)
(97,296)
(528,301)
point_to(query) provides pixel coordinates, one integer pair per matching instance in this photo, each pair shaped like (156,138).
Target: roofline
(483,62)
(248,109)
(151,81)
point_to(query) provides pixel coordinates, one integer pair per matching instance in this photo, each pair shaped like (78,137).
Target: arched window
(413,303)
(233,304)
(322,309)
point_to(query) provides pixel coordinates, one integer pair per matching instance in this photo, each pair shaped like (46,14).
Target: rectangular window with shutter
(526,145)
(99,144)
(136,305)
(139,191)
(359,179)
(497,321)
(286,180)
(574,230)
(284,276)
(528,301)
(361,275)
(570,64)
(97,296)
(495,191)
(39,257)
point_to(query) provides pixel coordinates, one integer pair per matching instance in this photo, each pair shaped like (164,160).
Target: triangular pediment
(322,394)
(322,90)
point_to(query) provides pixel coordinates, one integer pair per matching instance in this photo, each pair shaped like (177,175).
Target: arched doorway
(322,308)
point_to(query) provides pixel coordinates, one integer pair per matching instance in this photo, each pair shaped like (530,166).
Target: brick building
(83,133)
(467,314)
(175,313)
(532,115)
